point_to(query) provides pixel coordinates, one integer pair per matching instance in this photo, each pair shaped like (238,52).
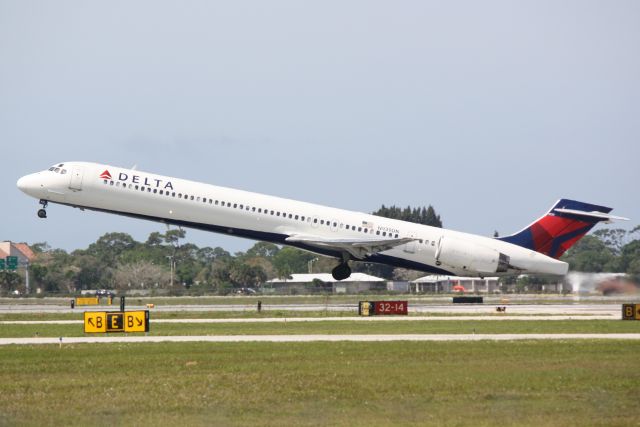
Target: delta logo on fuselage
(137,179)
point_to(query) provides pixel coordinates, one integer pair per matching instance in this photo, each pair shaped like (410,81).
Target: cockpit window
(58,169)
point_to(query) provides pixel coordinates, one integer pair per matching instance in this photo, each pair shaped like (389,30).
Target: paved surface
(315,338)
(414,308)
(330,319)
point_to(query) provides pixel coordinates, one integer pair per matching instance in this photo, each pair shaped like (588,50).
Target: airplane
(341,234)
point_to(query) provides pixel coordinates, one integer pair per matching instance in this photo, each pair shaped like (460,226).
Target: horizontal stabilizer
(593,214)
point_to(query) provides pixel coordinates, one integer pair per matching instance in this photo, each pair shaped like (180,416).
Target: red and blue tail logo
(566,223)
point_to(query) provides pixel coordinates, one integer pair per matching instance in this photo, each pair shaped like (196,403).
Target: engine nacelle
(470,256)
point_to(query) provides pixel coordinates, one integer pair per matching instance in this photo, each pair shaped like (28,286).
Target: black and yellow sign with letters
(116,321)
(95,322)
(630,311)
(136,321)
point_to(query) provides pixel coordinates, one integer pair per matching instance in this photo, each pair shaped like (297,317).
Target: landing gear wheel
(42,213)
(341,271)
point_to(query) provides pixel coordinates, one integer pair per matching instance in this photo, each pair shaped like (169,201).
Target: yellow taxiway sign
(116,321)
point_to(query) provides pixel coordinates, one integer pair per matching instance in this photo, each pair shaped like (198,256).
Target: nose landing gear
(42,213)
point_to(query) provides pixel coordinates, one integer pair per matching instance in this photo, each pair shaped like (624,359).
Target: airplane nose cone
(28,184)
(22,183)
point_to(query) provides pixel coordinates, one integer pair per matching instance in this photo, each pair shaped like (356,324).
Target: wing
(358,248)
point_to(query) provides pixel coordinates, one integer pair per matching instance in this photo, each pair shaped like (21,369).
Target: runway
(312,338)
(605,309)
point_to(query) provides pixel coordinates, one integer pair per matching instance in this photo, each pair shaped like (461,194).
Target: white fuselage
(261,217)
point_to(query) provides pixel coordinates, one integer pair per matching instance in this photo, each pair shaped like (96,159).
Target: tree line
(165,261)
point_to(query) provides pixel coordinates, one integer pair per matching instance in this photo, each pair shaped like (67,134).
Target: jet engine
(470,256)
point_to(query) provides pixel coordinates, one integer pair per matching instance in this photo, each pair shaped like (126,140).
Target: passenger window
(315,220)
(296,217)
(155,190)
(110,182)
(384,233)
(359,228)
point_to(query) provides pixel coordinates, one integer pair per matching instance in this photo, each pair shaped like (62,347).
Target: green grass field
(532,383)
(347,327)
(251,314)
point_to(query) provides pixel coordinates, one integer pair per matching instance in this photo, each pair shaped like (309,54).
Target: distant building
(20,250)
(446,284)
(309,283)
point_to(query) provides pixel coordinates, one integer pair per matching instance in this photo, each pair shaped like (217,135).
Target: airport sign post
(377,308)
(96,322)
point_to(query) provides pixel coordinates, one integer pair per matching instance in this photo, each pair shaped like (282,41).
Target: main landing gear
(42,213)
(341,271)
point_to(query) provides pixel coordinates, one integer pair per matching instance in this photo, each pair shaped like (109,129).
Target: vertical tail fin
(565,223)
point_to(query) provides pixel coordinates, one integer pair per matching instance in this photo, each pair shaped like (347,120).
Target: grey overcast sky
(490,111)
